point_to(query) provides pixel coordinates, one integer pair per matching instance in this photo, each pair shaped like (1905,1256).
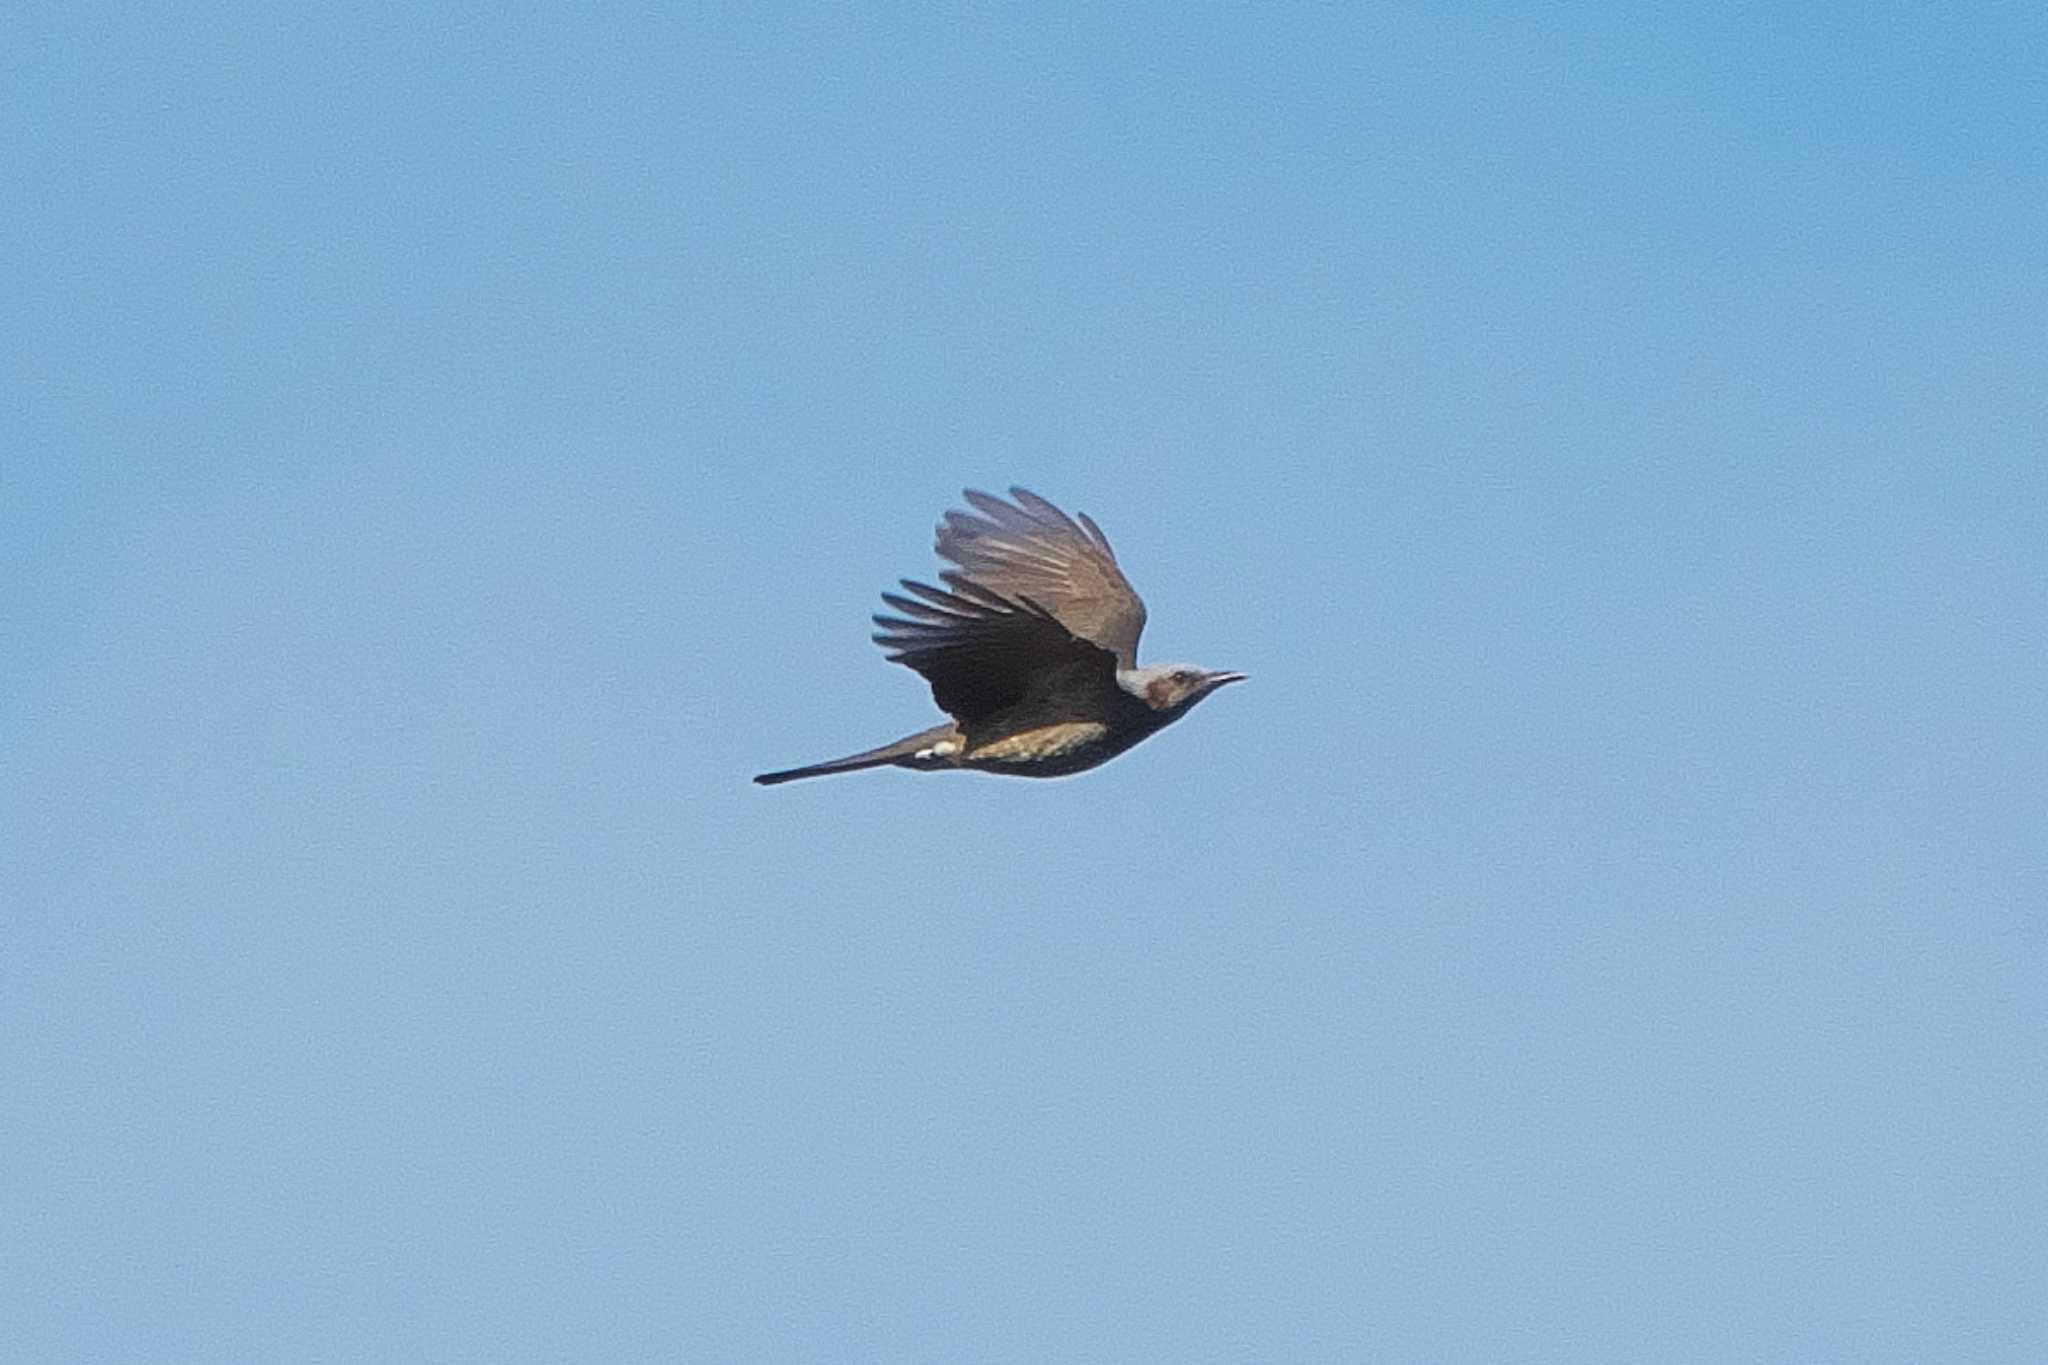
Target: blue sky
(448,450)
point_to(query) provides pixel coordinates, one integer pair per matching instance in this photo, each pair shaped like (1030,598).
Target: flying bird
(1031,648)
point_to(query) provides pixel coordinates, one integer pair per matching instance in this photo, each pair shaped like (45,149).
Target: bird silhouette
(1031,648)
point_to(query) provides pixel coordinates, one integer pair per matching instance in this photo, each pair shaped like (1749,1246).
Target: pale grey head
(1173,689)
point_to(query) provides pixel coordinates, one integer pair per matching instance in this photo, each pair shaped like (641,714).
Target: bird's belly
(1045,750)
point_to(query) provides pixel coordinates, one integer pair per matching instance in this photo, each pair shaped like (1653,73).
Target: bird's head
(1172,689)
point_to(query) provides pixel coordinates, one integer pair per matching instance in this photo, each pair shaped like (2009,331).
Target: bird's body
(1031,647)
(1056,750)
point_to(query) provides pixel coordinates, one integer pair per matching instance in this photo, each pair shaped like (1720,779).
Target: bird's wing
(982,652)
(1034,550)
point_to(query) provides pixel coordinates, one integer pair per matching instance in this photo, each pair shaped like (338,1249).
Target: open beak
(1218,679)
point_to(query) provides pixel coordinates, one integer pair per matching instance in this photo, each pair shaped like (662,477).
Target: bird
(1031,648)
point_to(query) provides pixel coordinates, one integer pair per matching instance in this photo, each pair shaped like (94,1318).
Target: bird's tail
(872,758)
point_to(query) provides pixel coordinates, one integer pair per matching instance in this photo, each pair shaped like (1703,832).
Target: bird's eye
(1183,676)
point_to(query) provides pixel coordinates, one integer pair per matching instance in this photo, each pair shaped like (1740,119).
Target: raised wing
(979,651)
(1034,552)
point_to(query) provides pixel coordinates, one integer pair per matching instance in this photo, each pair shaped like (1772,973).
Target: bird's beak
(1218,679)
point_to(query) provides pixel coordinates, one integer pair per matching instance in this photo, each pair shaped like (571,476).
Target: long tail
(873,758)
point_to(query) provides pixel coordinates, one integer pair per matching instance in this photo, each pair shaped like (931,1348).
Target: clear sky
(447,450)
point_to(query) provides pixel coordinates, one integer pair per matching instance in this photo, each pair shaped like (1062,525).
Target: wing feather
(1031,549)
(981,652)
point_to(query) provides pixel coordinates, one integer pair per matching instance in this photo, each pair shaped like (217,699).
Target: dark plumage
(1031,648)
